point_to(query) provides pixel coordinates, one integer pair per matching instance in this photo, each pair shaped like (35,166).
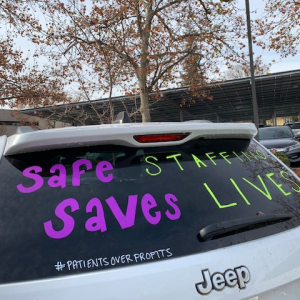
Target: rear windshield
(271,133)
(295,126)
(79,210)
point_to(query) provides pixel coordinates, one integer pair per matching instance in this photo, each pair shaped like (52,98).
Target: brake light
(159,138)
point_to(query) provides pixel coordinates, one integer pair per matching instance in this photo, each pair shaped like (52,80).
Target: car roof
(122,134)
(292,123)
(269,127)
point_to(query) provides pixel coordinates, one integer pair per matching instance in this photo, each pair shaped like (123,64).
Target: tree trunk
(145,111)
(143,72)
(111,108)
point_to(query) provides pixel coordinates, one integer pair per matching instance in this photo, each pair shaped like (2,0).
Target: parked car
(281,139)
(295,127)
(147,211)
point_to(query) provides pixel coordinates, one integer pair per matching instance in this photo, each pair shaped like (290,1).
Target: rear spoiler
(122,134)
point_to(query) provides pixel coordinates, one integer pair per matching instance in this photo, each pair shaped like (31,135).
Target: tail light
(160,138)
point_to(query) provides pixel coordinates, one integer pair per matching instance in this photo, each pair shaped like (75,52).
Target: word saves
(96,222)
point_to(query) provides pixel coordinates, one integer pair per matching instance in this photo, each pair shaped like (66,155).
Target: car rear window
(295,126)
(78,210)
(271,133)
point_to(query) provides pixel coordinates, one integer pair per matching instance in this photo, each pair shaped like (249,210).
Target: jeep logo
(217,281)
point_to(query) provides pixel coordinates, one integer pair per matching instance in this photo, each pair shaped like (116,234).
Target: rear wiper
(223,228)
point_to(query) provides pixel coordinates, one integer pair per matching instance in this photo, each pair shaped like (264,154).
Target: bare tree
(23,82)
(140,46)
(279,28)
(75,113)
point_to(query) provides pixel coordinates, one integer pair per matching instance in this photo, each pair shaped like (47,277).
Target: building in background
(283,120)
(278,97)
(10,120)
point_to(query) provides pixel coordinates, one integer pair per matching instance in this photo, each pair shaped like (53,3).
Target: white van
(147,211)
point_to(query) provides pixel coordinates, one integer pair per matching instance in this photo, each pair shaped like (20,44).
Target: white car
(147,211)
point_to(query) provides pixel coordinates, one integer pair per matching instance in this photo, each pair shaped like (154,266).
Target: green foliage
(282,157)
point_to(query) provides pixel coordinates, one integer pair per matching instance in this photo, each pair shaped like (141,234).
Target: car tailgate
(273,263)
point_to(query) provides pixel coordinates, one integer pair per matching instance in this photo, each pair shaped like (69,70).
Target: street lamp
(253,86)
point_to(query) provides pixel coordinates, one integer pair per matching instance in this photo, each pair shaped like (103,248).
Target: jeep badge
(217,281)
